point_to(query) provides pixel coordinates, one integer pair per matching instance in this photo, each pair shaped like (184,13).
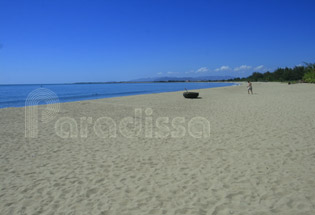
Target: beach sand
(259,158)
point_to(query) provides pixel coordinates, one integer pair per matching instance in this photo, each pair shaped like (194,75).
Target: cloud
(259,68)
(222,68)
(160,73)
(243,67)
(202,69)
(170,73)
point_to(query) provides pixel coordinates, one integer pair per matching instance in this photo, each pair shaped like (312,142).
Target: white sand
(259,158)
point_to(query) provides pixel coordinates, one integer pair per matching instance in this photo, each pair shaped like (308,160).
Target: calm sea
(15,95)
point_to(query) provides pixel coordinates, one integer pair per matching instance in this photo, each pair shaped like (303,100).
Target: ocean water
(16,95)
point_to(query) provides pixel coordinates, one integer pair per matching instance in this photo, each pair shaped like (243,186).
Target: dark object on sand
(190,95)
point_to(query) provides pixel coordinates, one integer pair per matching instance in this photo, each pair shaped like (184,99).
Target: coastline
(82,94)
(258,159)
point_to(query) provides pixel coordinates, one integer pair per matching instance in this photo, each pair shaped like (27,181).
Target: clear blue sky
(58,41)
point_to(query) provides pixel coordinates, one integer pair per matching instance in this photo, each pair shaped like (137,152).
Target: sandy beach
(258,157)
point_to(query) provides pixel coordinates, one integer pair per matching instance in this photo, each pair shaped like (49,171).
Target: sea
(19,95)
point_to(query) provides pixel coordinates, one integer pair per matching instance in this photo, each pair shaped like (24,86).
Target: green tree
(309,76)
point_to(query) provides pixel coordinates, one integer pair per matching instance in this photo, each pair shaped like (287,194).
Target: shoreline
(236,84)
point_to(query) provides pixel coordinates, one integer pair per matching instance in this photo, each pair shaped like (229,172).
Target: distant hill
(201,78)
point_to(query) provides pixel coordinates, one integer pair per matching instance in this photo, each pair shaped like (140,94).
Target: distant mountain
(201,78)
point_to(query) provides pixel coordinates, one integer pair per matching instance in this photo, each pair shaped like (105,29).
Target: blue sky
(62,41)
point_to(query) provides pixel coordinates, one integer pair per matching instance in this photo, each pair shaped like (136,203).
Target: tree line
(304,73)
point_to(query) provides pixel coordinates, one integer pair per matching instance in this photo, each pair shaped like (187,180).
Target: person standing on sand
(250,88)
